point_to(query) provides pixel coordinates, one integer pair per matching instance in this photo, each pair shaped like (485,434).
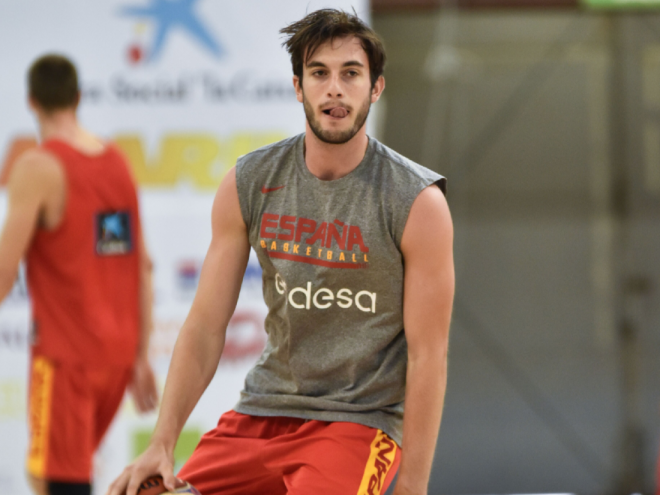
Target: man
(334,216)
(73,214)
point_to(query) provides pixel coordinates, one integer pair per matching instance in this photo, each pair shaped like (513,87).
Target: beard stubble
(336,137)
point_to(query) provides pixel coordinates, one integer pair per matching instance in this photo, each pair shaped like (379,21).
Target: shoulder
(264,166)
(37,157)
(429,225)
(267,154)
(114,150)
(227,192)
(34,176)
(226,214)
(431,201)
(117,157)
(36,164)
(405,171)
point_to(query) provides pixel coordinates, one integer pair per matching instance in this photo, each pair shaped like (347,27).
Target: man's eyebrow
(350,63)
(315,64)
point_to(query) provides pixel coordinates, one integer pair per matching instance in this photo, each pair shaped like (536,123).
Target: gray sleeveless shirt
(333,283)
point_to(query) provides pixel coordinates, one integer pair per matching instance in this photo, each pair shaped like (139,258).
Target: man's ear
(34,106)
(297,85)
(378,89)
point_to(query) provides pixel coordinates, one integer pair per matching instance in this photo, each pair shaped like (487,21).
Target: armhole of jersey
(60,163)
(441,183)
(243,192)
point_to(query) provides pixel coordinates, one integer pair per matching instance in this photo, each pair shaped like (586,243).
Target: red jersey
(83,276)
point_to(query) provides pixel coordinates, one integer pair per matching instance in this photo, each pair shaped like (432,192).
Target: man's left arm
(427,247)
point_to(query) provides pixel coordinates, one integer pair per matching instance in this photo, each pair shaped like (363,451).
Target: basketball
(154,486)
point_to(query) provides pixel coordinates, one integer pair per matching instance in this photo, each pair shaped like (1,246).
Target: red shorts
(290,456)
(70,408)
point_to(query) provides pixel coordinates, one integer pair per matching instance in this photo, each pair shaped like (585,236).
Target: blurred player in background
(73,215)
(334,216)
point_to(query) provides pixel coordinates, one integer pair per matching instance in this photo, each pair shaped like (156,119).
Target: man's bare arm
(201,340)
(427,304)
(143,385)
(146,297)
(33,177)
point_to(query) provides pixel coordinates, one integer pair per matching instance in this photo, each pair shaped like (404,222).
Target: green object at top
(622,4)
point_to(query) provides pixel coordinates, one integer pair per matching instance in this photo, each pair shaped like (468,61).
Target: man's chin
(334,137)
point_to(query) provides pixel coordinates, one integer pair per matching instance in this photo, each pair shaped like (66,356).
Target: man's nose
(335,87)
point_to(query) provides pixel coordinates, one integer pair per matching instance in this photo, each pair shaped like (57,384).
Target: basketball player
(355,242)
(73,215)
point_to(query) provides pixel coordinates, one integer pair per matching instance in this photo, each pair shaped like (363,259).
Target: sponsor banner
(183,88)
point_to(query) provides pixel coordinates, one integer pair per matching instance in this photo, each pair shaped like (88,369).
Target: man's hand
(155,460)
(143,386)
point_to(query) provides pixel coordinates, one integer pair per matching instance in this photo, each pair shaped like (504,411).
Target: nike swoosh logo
(266,190)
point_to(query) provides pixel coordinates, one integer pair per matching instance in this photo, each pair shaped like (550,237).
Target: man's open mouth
(336,112)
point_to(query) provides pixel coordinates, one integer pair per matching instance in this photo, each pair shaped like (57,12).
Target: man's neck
(61,125)
(333,161)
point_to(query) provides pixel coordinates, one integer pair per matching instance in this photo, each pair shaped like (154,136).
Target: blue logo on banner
(170,14)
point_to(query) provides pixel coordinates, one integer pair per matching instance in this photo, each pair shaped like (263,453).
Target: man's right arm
(201,340)
(35,176)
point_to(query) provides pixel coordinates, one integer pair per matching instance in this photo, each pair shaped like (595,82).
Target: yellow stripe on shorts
(40,401)
(381,459)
